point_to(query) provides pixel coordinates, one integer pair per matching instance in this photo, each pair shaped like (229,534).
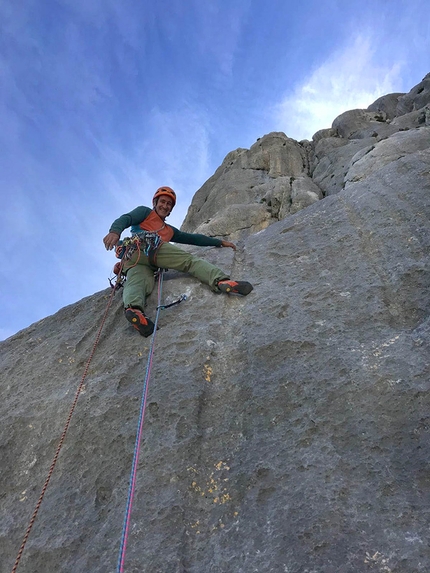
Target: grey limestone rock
(331,159)
(351,124)
(285,431)
(387,151)
(417,98)
(257,183)
(304,192)
(246,219)
(386,104)
(360,132)
(323,133)
(246,178)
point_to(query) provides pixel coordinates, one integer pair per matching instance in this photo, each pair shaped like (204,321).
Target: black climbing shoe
(235,287)
(142,323)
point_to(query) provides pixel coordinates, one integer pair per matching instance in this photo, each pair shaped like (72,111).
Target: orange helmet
(168,191)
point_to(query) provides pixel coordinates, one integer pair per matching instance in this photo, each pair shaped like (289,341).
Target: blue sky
(103,101)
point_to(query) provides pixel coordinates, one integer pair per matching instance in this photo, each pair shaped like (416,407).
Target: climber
(153,235)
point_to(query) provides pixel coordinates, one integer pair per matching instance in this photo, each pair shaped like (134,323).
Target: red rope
(63,435)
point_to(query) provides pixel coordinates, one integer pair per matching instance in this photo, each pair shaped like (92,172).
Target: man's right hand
(111,240)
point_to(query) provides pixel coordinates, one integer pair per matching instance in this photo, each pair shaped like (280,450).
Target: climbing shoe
(235,287)
(143,324)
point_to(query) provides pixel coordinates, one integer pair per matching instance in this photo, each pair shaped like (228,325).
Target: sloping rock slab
(285,431)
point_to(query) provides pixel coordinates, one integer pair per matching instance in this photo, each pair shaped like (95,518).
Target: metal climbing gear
(151,241)
(180,299)
(146,241)
(117,283)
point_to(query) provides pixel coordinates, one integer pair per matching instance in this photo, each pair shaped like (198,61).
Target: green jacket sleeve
(194,239)
(128,219)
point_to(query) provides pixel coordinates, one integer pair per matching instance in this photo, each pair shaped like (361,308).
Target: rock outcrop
(287,431)
(278,176)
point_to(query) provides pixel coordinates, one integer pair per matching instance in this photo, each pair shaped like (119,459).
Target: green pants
(140,273)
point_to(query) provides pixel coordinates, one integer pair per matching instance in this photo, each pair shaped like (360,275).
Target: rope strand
(133,473)
(63,436)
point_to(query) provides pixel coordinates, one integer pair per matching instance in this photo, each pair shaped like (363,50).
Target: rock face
(278,176)
(254,188)
(285,431)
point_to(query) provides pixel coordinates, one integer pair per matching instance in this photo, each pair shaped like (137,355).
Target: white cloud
(351,78)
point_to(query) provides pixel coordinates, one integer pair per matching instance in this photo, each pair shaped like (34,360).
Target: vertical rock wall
(285,431)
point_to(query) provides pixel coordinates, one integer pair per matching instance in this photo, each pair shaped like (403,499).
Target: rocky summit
(286,431)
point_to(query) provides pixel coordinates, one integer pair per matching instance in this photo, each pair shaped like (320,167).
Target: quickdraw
(152,241)
(117,282)
(147,241)
(180,299)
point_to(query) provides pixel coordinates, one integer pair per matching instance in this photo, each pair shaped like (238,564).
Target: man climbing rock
(150,248)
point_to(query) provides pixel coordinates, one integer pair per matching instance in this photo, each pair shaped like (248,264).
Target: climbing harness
(139,432)
(152,241)
(146,241)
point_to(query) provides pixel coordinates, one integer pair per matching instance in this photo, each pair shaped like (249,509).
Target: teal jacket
(135,217)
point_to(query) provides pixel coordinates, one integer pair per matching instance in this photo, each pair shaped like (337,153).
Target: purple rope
(133,474)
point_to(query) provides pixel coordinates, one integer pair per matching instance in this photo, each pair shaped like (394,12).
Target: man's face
(163,206)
